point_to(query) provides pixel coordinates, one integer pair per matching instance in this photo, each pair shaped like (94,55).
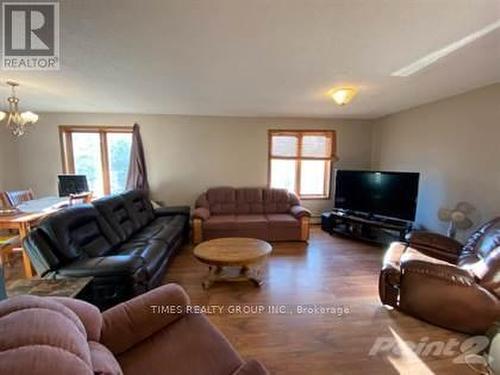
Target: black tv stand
(364,226)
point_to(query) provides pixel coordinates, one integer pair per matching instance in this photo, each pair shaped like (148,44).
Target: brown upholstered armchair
(150,334)
(441,281)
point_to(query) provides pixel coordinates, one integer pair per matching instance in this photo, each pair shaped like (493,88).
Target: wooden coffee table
(247,255)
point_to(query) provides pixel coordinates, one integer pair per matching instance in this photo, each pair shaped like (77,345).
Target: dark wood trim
(95,129)
(105,162)
(298,164)
(70,155)
(62,150)
(299,158)
(269,148)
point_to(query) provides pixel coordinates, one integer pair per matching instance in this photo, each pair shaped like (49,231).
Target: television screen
(391,194)
(72,184)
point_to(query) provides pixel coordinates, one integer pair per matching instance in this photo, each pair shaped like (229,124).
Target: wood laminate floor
(329,272)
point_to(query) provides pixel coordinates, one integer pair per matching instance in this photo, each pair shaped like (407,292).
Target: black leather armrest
(114,265)
(173,210)
(40,251)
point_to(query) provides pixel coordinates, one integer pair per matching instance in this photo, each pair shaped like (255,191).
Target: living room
(251,116)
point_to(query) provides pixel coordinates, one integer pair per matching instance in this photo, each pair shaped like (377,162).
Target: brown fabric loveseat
(264,213)
(63,336)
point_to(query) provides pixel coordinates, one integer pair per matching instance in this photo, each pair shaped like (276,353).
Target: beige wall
(187,154)
(8,161)
(455,144)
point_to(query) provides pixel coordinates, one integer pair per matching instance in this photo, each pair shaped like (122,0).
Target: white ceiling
(260,57)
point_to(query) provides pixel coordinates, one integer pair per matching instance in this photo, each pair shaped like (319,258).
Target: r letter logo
(30,36)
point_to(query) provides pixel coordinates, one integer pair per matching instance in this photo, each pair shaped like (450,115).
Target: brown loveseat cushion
(222,200)
(251,219)
(217,222)
(276,201)
(282,220)
(249,201)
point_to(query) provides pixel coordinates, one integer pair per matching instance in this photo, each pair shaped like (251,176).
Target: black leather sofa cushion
(152,254)
(118,215)
(166,229)
(173,210)
(104,266)
(139,207)
(79,231)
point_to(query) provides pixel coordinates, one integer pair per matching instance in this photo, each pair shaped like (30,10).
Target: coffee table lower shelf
(233,274)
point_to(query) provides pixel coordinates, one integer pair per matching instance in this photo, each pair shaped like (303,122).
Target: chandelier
(17,122)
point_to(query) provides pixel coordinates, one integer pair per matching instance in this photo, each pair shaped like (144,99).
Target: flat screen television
(72,184)
(389,194)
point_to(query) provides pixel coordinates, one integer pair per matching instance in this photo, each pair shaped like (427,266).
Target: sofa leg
(197,231)
(304,228)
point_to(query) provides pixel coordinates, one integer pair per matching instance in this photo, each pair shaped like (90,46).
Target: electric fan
(458,217)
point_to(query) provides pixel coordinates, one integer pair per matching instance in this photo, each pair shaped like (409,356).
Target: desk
(22,222)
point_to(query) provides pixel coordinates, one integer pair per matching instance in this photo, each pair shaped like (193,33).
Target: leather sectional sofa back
(79,231)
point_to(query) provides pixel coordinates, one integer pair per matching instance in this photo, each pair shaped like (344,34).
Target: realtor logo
(30,36)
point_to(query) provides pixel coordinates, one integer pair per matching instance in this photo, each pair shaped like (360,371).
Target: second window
(300,161)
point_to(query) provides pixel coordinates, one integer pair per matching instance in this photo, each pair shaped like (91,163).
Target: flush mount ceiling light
(343,95)
(16,121)
(436,55)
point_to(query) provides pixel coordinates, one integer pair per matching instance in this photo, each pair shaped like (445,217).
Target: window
(100,153)
(301,161)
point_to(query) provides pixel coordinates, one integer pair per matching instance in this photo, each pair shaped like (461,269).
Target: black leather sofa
(120,240)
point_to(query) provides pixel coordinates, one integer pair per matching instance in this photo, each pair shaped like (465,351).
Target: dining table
(27,216)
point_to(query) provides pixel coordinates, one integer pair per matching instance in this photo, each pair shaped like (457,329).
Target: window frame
(66,144)
(330,159)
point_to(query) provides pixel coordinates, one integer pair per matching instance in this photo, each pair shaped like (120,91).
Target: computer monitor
(72,184)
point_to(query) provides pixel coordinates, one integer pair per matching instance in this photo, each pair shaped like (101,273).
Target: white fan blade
(464,224)
(465,207)
(444,214)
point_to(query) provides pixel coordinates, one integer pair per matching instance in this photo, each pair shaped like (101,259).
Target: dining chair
(9,242)
(15,198)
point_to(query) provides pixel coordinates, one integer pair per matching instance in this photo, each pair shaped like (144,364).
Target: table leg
(254,274)
(213,275)
(24,228)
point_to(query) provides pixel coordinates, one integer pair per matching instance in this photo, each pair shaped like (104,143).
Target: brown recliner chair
(150,334)
(443,282)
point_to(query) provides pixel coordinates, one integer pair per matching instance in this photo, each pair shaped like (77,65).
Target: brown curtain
(137,175)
